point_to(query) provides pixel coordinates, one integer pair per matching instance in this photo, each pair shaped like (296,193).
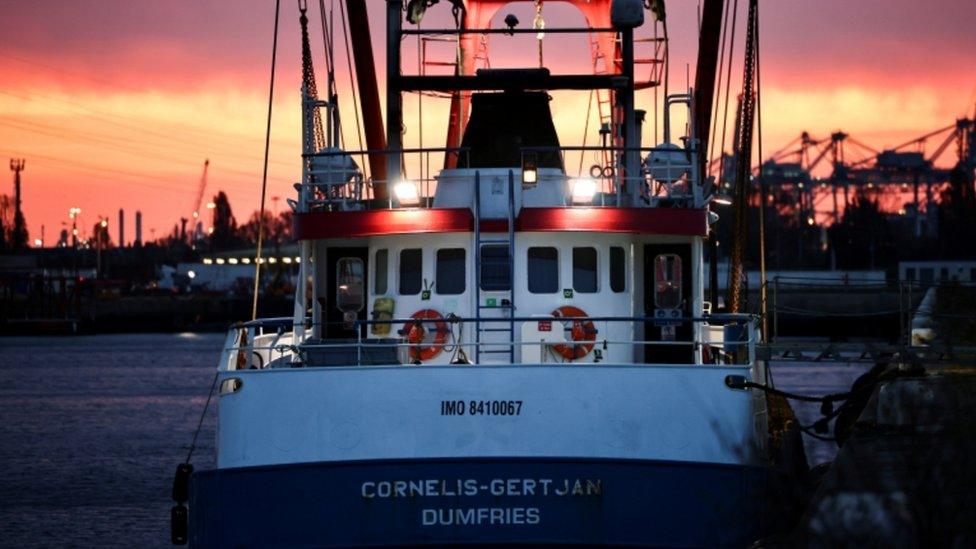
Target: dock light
(196,215)
(246,260)
(272,260)
(298,259)
(286,260)
(220,261)
(407,193)
(104,223)
(810,221)
(207,261)
(583,189)
(232,261)
(191,274)
(211,205)
(38,243)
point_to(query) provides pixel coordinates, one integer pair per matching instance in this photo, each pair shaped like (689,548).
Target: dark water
(91,429)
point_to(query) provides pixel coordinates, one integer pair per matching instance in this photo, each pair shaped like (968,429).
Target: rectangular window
(618,269)
(350,294)
(584,270)
(910,273)
(926,275)
(450,271)
(667,281)
(495,271)
(543,270)
(380,281)
(411,271)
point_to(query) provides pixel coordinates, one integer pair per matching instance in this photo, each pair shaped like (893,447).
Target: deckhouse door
(667,298)
(344,301)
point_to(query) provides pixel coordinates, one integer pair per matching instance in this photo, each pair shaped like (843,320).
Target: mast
(369,95)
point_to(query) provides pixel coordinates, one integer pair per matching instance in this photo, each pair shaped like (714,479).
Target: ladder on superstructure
(610,122)
(506,305)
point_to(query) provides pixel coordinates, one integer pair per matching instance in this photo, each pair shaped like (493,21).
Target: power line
(93,139)
(207,144)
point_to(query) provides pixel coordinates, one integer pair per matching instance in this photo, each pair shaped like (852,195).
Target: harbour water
(93,427)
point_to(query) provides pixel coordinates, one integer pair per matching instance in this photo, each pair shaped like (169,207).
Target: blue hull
(478,501)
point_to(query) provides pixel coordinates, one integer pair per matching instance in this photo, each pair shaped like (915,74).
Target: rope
(743,151)
(193,443)
(264,177)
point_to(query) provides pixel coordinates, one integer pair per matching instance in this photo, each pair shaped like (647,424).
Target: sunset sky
(116,104)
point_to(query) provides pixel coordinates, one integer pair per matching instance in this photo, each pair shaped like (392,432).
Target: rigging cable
(728,92)
(264,179)
(718,90)
(335,127)
(763,304)
(743,151)
(353,85)
(308,79)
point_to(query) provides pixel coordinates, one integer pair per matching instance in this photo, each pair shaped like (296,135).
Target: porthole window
(543,270)
(411,271)
(350,296)
(618,269)
(450,271)
(381,280)
(584,270)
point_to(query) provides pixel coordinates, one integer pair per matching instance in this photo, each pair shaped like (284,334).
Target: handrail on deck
(243,348)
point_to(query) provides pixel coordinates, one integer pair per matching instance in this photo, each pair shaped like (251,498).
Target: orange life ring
(581,330)
(416,334)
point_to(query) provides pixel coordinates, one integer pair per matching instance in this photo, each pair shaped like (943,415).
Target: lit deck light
(298,259)
(530,170)
(583,189)
(191,274)
(220,261)
(207,261)
(722,199)
(246,260)
(232,261)
(272,260)
(286,260)
(406,193)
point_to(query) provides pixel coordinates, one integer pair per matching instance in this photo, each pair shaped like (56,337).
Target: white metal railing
(269,343)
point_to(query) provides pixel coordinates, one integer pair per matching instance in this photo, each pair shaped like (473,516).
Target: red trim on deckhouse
(663,221)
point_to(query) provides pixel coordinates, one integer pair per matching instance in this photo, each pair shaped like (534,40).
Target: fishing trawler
(506,352)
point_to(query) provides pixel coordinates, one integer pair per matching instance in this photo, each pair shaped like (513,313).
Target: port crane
(198,232)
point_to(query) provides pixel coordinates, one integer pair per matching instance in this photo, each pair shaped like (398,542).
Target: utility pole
(18,235)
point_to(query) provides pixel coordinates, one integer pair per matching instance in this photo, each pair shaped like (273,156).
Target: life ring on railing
(580,330)
(416,334)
